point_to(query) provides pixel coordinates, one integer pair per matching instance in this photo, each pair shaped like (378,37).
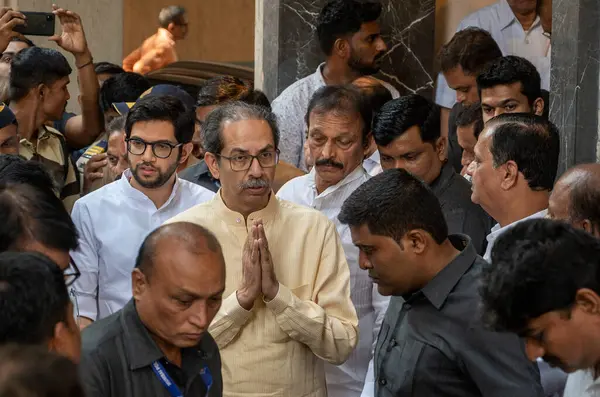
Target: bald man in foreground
(575,199)
(158,344)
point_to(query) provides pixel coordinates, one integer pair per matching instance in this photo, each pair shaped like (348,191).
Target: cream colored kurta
(278,348)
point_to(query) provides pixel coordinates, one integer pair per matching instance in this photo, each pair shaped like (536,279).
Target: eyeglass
(162,150)
(243,162)
(72,273)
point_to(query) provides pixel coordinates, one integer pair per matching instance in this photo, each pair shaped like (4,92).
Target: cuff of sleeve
(232,309)
(86,307)
(282,300)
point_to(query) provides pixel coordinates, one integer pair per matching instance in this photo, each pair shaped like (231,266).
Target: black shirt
(117,358)
(200,175)
(462,215)
(432,343)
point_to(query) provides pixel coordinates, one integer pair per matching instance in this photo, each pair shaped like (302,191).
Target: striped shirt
(51,150)
(348,379)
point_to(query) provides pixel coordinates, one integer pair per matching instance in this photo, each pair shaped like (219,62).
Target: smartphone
(37,24)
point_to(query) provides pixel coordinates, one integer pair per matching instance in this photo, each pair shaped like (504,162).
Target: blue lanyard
(171,387)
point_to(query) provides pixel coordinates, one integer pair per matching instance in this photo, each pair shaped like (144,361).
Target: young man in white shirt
(516,160)
(113,221)
(338,120)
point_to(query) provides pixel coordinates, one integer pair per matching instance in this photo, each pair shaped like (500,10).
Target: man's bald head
(575,198)
(187,236)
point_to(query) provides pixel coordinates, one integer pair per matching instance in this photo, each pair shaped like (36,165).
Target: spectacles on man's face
(243,162)
(161,149)
(72,273)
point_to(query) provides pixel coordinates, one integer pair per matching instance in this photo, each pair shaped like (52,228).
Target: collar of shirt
(438,289)
(318,75)
(497,229)
(135,194)
(231,217)
(43,134)
(441,183)
(142,351)
(507,16)
(359,172)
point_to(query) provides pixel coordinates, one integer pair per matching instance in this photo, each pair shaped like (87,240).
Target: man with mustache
(432,342)
(114,220)
(287,306)
(339,138)
(407,133)
(350,37)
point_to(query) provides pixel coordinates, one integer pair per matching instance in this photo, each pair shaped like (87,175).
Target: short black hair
(531,141)
(163,108)
(34,66)
(33,298)
(376,95)
(381,203)
(339,18)
(398,115)
(33,371)
(221,89)
(170,14)
(190,235)
(509,70)
(23,40)
(16,169)
(33,213)
(107,68)
(537,267)
(234,111)
(471,49)
(123,87)
(341,100)
(470,115)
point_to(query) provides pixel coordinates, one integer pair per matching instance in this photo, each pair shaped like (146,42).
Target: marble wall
(287,48)
(575,81)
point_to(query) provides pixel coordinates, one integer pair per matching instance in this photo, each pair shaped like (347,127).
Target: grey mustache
(254,183)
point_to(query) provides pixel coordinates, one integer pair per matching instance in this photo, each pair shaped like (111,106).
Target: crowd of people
(347,241)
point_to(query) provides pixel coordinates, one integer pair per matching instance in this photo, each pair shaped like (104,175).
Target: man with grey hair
(158,50)
(287,307)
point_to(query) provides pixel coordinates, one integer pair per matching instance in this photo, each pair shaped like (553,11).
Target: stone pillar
(575,101)
(103,24)
(287,48)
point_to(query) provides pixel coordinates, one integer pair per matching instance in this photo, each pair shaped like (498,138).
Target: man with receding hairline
(158,344)
(576,196)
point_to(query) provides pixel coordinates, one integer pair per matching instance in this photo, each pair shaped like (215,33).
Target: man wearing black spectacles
(114,220)
(287,296)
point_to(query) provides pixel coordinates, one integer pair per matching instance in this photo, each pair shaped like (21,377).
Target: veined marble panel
(407,27)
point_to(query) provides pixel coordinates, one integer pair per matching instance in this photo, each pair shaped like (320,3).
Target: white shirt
(290,108)
(372,164)
(497,230)
(112,222)
(348,379)
(500,21)
(582,384)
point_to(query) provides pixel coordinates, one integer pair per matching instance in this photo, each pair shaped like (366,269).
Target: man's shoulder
(102,335)
(195,191)
(300,215)
(297,93)
(103,195)
(199,213)
(481,18)
(289,191)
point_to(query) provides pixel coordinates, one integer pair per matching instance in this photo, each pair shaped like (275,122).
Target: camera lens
(48,17)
